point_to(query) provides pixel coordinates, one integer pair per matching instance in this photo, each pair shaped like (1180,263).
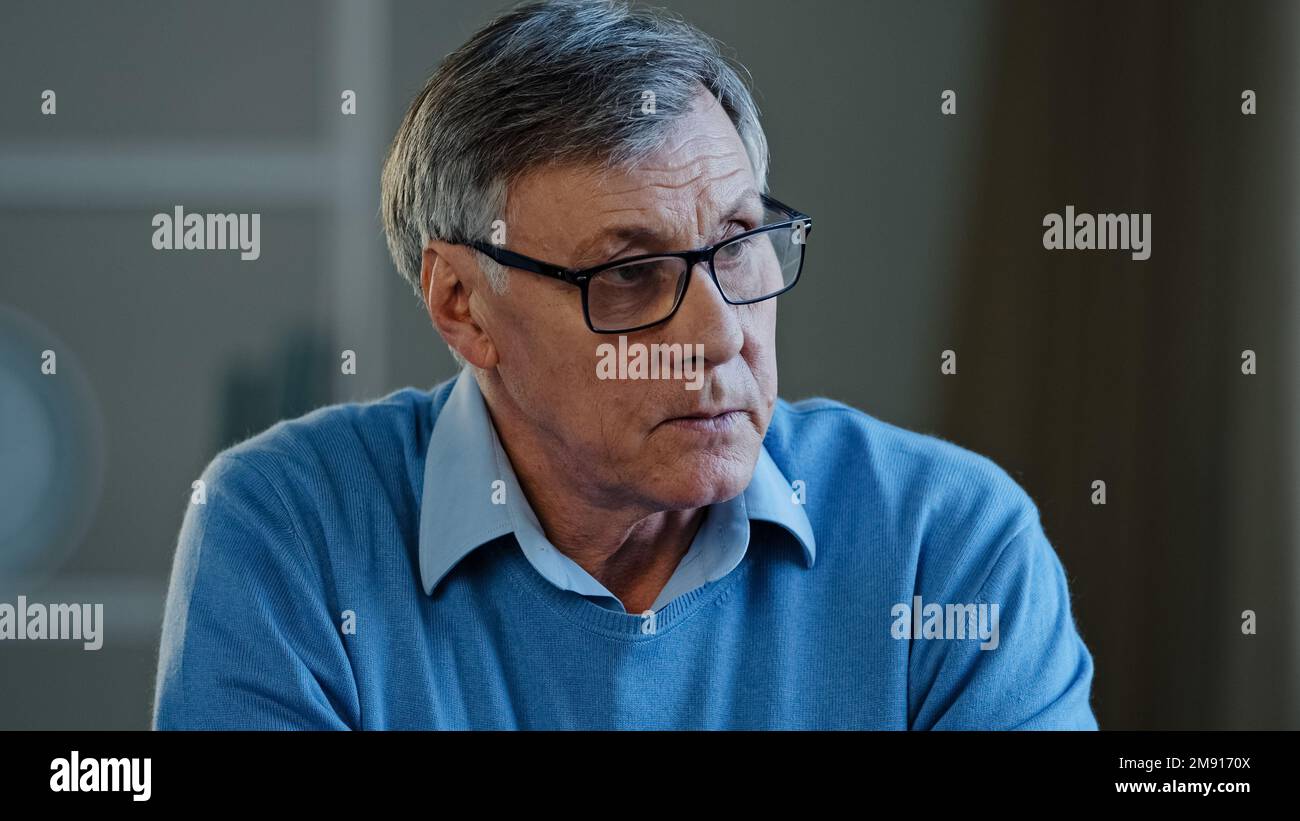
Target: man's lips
(708,421)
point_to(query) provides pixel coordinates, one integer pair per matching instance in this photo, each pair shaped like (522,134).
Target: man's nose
(706,318)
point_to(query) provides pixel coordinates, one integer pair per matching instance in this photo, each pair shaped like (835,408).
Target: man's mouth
(707,421)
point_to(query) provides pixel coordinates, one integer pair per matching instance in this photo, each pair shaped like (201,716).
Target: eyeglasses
(634,293)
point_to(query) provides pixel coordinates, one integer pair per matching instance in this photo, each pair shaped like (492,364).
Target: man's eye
(631,274)
(735,250)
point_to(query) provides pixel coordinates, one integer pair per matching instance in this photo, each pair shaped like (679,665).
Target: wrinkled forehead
(699,178)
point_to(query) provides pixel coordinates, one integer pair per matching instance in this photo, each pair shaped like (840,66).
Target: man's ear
(449,279)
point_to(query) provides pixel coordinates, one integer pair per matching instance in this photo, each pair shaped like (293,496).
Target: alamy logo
(1103,232)
(81,622)
(953,621)
(208,232)
(77,774)
(656,361)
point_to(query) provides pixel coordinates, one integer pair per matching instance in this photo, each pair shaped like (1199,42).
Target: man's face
(647,442)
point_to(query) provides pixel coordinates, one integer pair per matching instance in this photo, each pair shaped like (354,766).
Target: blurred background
(1072,366)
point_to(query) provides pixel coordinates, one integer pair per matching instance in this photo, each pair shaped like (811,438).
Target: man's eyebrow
(591,252)
(748,197)
(638,233)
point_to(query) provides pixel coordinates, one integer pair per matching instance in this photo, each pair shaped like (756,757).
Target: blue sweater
(935,601)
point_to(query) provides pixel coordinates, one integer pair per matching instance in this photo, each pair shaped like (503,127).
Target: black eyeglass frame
(582,277)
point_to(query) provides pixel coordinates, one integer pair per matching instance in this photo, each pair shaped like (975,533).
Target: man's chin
(702,479)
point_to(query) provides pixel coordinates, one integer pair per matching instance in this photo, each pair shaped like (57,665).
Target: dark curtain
(1075,366)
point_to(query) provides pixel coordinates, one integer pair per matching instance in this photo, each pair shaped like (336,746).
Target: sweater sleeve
(1039,673)
(249,638)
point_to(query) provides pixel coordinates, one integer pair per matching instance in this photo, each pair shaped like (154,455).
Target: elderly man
(555,540)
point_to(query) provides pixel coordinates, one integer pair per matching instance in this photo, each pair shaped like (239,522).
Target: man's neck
(632,551)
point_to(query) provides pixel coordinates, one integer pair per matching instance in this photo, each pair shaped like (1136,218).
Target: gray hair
(558,82)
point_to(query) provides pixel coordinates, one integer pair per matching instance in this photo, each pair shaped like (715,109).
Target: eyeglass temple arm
(513,260)
(793,213)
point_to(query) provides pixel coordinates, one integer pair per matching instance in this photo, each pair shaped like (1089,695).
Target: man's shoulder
(385,435)
(338,448)
(826,428)
(912,478)
(282,522)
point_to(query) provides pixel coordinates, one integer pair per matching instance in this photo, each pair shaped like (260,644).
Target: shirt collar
(472,496)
